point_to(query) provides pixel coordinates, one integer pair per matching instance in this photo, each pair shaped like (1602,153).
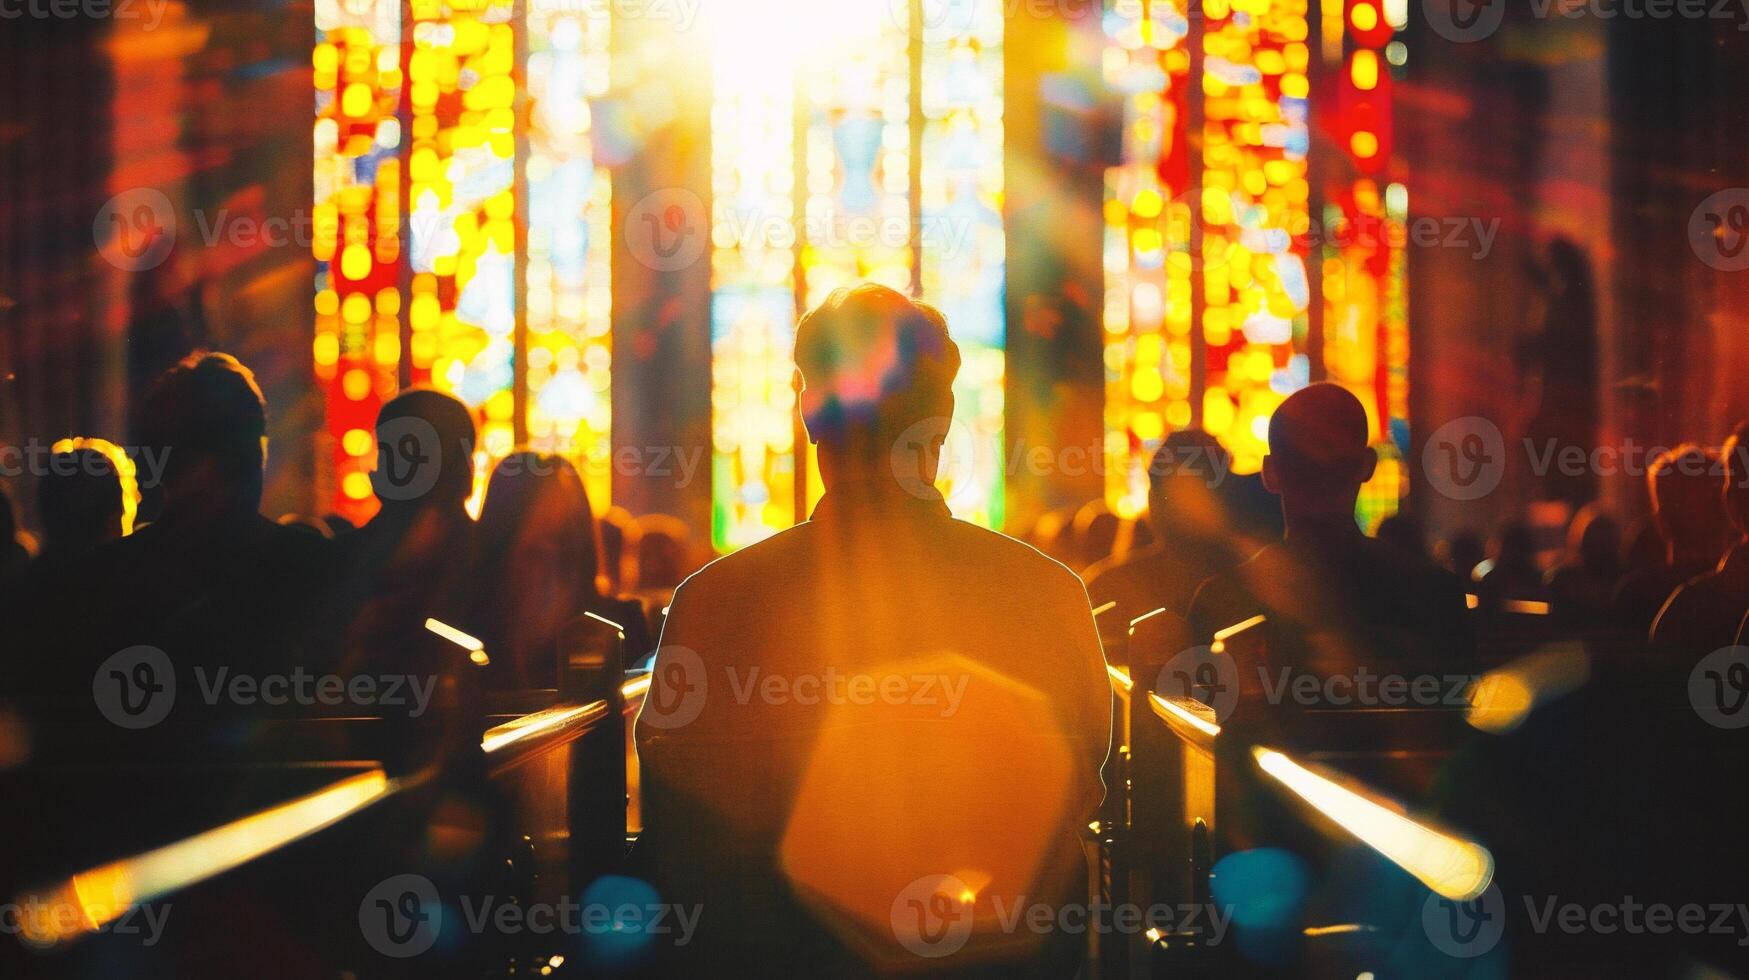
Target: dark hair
(452,425)
(873,361)
(208,408)
(1682,484)
(520,485)
(81,495)
(1183,475)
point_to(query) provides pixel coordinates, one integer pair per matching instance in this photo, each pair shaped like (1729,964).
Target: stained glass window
(356,230)
(1147,241)
(829,168)
(503,200)
(1224,351)
(462,172)
(568,270)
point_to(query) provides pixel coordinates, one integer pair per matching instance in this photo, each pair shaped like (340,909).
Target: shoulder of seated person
(974,543)
(760,559)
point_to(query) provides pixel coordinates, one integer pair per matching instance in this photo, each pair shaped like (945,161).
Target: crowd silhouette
(758,798)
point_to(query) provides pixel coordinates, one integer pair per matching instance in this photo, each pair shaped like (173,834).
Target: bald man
(1335,601)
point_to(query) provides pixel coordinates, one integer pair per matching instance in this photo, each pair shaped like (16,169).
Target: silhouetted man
(868,731)
(1704,613)
(1194,535)
(1335,600)
(409,562)
(210,581)
(1683,485)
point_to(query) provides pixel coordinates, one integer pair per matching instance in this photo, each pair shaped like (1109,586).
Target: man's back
(891,634)
(1338,602)
(1160,577)
(1702,615)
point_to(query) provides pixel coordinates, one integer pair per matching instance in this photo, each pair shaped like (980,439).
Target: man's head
(874,364)
(80,500)
(425,450)
(1736,455)
(1184,479)
(1318,452)
(1684,489)
(208,418)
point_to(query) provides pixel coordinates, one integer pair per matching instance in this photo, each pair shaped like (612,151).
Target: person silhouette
(80,501)
(210,581)
(1581,586)
(1335,600)
(410,562)
(1194,535)
(537,567)
(1689,515)
(801,811)
(1703,614)
(1512,572)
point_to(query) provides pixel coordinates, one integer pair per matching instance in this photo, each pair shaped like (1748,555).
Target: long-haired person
(538,566)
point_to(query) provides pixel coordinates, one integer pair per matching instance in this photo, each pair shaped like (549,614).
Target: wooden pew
(1200,787)
(535,809)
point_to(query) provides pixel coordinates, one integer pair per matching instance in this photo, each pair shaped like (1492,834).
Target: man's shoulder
(973,544)
(757,561)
